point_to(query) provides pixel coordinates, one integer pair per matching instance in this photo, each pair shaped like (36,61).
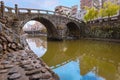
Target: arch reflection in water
(37,45)
(103,57)
(97,60)
(71,71)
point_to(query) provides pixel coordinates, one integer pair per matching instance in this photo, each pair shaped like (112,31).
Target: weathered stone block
(3,71)
(14,76)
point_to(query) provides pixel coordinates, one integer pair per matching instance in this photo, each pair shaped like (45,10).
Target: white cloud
(50,3)
(38,4)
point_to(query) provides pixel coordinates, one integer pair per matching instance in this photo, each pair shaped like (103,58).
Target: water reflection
(71,71)
(95,60)
(38,45)
(103,56)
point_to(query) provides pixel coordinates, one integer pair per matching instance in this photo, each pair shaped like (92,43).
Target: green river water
(79,59)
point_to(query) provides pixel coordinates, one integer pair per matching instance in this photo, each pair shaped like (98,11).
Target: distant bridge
(58,26)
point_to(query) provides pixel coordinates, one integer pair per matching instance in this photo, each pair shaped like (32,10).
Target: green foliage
(91,14)
(109,9)
(102,13)
(105,31)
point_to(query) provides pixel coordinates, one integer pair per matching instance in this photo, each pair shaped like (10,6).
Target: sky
(42,4)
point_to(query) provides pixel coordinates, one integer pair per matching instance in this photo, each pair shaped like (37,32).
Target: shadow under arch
(73,30)
(52,33)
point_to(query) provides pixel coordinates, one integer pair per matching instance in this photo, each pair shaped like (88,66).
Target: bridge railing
(17,11)
(104,19)
(28,10)
(4,9)
(40,11)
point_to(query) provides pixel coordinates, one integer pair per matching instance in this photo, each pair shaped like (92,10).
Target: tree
(102,12)
(91,14)
(110,8)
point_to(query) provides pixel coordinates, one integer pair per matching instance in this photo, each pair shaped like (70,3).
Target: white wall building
(80,14)
(63,10)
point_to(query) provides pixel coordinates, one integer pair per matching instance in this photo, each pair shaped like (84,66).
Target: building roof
(63,6)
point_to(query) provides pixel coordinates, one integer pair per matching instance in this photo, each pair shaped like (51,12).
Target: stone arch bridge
(58,26)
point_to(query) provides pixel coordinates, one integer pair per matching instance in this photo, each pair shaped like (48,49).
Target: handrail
(9,7)
(29,10)
(55,13)
(39,10)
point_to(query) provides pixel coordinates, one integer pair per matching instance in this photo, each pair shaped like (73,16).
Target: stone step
(3,71)
(5,62)
(35,71)
(25,62)
(8,66)
(14,76)
(40,76)
(1,67)
(28,67)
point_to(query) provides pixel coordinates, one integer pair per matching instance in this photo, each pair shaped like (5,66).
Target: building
(84,3)
(74,10)
(113,1)
(90,3)
(96,4)
(63,10)
(87,3)
(80,14)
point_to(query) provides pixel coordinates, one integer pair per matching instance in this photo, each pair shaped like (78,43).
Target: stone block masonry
(17,61)
(24,65)
(104,30)
(19,64)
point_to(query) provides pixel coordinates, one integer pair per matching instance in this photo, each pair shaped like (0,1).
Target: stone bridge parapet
(58,26)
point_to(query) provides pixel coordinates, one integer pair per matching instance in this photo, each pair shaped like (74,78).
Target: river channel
(79,59)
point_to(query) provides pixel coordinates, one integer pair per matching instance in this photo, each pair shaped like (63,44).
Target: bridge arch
(51,29)
(73,30)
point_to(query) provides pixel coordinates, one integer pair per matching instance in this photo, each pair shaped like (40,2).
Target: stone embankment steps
(24,65)
(18,62)
(6,44)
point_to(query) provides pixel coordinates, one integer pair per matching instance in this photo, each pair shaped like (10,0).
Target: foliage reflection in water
(96,60)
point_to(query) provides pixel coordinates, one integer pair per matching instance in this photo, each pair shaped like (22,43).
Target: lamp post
(2,8)
(16,9)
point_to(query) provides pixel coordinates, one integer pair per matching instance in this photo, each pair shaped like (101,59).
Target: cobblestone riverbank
(18,62)
(24,65)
